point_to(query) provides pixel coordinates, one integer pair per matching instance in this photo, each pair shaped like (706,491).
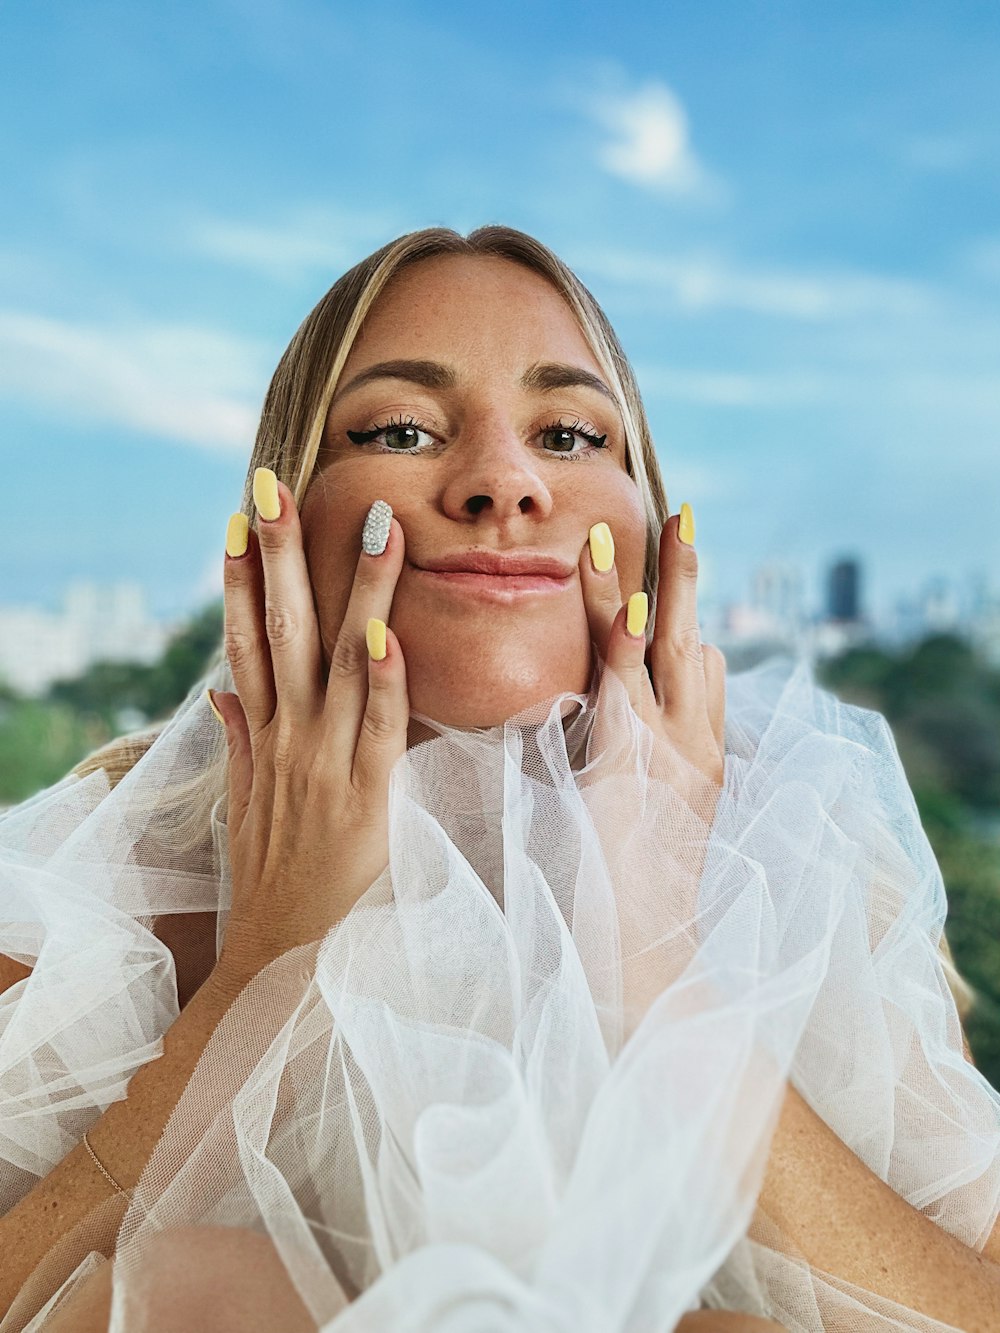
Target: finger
(245,634)
(602,597)
(382,739)
(289,609)
(676,655)
(374,586)
(715,691)
(626,652)
(229,710)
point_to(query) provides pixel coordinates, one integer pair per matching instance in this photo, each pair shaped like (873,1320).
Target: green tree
(42,739)
(154,690)
(943,704)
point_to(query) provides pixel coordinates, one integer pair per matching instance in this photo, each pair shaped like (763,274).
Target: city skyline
(102,622)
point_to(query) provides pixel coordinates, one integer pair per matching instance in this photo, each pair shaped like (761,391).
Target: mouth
(498,587)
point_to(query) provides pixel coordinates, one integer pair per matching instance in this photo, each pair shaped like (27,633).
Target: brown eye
(562,439)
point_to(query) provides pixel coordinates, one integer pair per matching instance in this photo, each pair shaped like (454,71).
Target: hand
(309,755)
(676,688)
(677,685)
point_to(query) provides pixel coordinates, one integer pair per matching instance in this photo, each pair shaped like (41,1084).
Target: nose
(495,469)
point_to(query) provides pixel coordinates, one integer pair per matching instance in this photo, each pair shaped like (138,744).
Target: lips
(499,563)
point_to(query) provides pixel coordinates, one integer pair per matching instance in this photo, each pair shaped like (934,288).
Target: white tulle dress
(529,1083)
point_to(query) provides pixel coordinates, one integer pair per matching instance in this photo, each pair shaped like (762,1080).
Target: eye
(561,434)
(398,437)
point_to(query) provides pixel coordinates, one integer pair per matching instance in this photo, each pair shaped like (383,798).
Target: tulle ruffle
(531,1080)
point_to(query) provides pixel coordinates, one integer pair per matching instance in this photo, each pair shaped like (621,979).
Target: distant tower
(844,591)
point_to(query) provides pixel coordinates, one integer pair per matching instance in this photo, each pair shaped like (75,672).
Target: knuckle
(378,725)
(281,624)
(687,644)
(346,657)
(286,754)
(241,650)
(688,563)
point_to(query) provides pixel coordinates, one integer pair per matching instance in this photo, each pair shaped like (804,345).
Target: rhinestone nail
(375,533)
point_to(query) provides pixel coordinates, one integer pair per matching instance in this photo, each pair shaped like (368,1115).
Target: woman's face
(487,458)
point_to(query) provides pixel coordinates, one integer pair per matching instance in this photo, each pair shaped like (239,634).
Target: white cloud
(175,382)
(650,144)
(698,282)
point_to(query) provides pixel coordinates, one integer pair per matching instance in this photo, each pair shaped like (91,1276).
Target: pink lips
(499,575)
(507,563)
(497,586)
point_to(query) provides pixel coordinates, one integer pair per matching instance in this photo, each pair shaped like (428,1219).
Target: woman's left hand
(678,685)
(677,689)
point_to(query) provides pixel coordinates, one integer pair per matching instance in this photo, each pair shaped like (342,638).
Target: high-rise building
(843,600)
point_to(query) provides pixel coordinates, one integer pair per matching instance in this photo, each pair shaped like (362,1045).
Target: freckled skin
(489,478)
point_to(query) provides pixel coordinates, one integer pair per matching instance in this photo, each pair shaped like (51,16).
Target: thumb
(228,709)
(382,739)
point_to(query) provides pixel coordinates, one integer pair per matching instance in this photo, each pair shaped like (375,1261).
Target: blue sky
(791,213)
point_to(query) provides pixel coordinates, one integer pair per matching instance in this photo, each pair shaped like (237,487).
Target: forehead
(468,308)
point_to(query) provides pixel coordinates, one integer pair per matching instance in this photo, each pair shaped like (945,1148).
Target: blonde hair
(291,430)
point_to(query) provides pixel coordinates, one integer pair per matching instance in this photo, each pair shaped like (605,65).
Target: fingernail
(236,535)
(375,533)
(602,547)
(635,617)
(685,529)
(211,704)
(375,638)
(265,494)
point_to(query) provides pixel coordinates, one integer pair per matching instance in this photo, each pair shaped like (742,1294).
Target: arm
(11,972)
(123,1139)
(848,1222)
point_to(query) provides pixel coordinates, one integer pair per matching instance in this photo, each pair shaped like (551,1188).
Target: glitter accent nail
(375,533)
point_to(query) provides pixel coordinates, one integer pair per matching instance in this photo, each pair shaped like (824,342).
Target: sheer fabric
(530,1081)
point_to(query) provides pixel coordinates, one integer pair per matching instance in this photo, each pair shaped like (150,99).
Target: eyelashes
(408,427)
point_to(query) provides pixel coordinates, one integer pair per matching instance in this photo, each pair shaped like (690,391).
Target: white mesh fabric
(530,1081)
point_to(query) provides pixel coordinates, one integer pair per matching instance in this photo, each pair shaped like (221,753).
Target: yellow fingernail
(265,494)
(638,610)
(236,535)
(375,638)
(602,547)
(685,529)
(211,704)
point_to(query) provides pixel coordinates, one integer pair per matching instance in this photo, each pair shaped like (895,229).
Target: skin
(486,478)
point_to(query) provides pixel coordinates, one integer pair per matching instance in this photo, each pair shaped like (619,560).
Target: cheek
(620,506)
(331,555)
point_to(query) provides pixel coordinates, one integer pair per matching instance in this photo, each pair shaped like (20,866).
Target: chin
(469,705)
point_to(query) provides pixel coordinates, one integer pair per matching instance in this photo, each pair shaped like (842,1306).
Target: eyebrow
(557,375)
(542,376)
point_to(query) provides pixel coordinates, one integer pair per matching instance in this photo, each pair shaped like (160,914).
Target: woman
(516,950)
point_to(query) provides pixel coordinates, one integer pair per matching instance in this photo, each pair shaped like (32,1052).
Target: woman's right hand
(309,757)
